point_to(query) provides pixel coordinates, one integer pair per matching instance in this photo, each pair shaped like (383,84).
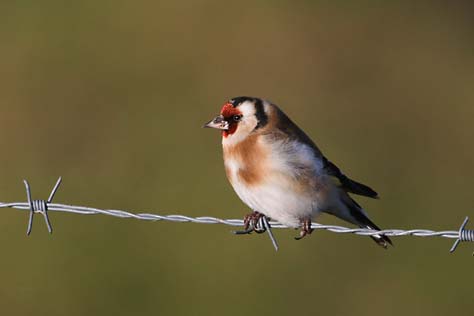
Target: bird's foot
(253,223)
(305,229)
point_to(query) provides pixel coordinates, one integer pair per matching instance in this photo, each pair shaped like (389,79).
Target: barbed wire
(263,225)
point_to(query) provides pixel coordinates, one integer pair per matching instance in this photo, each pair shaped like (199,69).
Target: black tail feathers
(359,188)
(364,222)
(381,240)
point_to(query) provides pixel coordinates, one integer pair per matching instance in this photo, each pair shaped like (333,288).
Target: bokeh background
(112,96)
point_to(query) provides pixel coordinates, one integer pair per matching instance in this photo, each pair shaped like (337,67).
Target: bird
(279,172)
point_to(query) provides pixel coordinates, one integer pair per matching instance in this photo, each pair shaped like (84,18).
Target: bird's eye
(237,118)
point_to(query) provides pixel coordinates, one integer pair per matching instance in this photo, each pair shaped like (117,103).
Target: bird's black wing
(347,184)
(292,131)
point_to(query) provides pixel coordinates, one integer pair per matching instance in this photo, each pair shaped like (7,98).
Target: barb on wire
(464,235)
(45,206)
(40,206)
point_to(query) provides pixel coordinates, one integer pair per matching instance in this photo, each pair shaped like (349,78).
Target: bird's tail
(381,240)
(356,215)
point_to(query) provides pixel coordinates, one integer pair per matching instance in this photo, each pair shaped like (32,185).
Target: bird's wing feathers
(347,184)
(285,125)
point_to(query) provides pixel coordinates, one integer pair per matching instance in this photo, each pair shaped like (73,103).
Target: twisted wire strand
(44,206)
(83,210)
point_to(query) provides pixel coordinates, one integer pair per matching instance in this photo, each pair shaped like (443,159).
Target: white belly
(287,185)
(275,198)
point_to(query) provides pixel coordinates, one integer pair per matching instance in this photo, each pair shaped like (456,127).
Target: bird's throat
(230,131)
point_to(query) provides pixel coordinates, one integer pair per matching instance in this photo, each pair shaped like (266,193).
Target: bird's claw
(305,229)
(243,232)
(252,223)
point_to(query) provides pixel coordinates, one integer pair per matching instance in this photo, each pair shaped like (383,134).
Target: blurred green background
(112,96)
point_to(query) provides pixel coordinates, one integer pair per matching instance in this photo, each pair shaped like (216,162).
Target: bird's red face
(232,115)
(228,121)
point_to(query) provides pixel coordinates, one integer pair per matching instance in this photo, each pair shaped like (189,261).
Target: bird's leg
(305,229)
(252,223)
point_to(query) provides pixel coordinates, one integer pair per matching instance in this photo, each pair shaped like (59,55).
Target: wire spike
(30,202)
(40,206)
(463,235)
(55,188)
(269,230)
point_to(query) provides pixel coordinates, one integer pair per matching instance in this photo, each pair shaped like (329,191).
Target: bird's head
(239,117)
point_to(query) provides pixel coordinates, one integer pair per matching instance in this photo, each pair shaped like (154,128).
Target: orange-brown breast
(250,155)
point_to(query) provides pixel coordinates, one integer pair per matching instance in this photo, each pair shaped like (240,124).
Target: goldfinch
(279,172)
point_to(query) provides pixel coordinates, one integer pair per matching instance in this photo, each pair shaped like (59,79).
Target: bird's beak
(218,123)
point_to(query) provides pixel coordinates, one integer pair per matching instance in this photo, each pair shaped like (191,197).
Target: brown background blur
(112,96)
